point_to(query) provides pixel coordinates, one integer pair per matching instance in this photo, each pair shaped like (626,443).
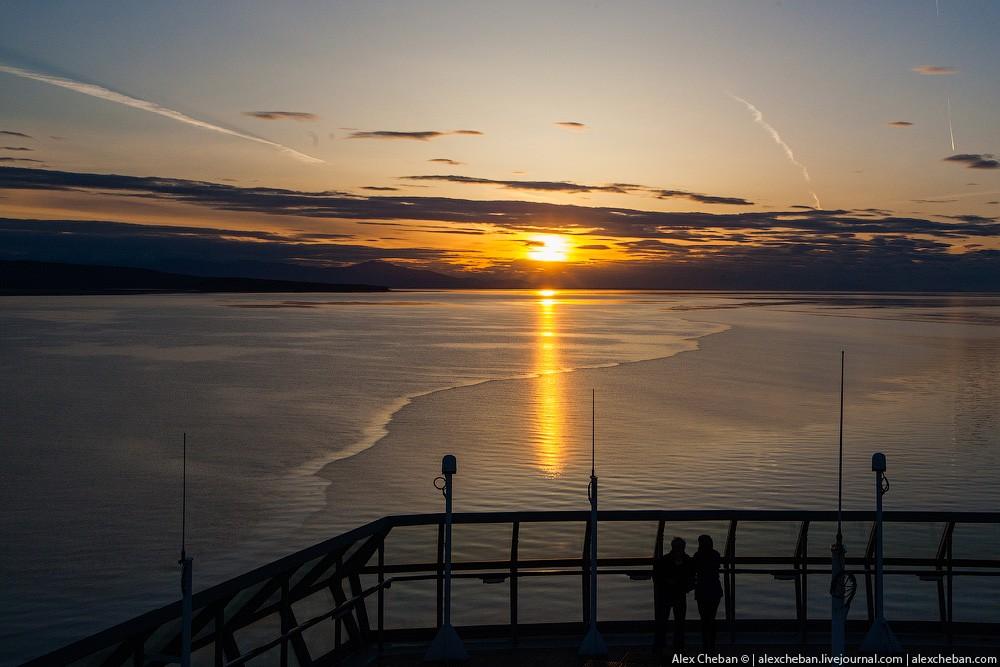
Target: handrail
(372,535)
(339,611)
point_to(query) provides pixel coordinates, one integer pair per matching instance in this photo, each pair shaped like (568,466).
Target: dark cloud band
(422,135)
(282,115)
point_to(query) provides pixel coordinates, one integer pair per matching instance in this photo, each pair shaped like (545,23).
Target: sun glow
(549,248)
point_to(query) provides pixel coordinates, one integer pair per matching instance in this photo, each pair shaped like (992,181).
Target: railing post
(337,639)
(220,632)
(381,593)
(440,575)
(514,535)
(284,616)
(802,577)
(585,571)
(730,580)
(869,586)
(940,559)
(360,608)
(951,617)
(350,623)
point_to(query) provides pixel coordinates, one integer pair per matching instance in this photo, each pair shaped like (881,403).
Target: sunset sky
(504,138)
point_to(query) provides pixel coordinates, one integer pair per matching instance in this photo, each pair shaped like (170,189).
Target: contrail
(951,130)
(759,119)
(111,96)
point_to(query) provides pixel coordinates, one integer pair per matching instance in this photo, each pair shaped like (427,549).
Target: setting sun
(549,248)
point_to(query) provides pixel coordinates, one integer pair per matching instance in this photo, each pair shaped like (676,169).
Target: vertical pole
(951,581)
(805,580)
(186,566)
(730,580)
(593,507)
(880,638)
(381,592)
(186,577)
(440,576)
(220,629)
(838,554)
(802,578)
(879,588)
(585,575)
(447,549)
(593,643)
(447,646)
(838,598)
(337,638)
(869,574)
(840,457)
(285,626)
(514,538)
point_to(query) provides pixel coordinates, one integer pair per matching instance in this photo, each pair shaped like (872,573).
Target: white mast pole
(880,637)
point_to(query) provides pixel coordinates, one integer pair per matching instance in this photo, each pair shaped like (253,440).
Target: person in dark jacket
(707,589)
(673,578)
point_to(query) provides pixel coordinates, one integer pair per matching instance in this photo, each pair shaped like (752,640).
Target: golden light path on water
(550,452)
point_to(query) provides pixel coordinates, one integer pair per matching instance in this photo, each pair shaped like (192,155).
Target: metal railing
(270,594)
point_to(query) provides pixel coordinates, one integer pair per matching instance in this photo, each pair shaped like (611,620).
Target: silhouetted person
(673,577)
(707,589)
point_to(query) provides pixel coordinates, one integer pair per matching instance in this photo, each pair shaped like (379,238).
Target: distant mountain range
(392,275)
(371,272)
(26,277)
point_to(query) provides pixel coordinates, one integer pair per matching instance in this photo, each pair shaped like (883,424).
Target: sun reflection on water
(549,450)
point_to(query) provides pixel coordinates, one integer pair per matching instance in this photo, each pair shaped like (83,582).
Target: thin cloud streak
(282,115)
(759,119)
(935,70)
(419,135)
(576,188)
(108,95)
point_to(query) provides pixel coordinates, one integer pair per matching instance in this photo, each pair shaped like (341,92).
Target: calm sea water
(309,415)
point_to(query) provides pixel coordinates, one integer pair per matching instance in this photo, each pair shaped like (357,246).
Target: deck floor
(633,651)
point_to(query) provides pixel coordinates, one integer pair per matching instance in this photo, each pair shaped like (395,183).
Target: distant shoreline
(28,278)
(333,289)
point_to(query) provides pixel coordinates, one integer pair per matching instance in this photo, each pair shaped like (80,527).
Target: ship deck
(326,605)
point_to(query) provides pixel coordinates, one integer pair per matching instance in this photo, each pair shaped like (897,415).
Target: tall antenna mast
(184,479)
(843,584)
(186,565)
(840,456)
(593,644)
